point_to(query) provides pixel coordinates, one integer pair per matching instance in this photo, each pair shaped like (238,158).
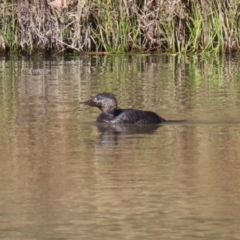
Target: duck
(111,113)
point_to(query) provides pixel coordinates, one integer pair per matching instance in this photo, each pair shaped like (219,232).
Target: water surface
(62,176)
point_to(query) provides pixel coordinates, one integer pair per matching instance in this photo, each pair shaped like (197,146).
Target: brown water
(62,176)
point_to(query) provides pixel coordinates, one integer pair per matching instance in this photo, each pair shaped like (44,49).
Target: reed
(170,26)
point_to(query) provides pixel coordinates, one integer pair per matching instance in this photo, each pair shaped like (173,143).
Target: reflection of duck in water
(127,129)
(107,103)
(111,133)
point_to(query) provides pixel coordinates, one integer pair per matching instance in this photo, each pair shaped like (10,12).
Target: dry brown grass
(176,26)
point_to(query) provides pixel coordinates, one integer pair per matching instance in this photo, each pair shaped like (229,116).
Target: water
(62,176)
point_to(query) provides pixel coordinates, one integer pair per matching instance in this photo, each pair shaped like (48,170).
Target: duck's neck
(109,111)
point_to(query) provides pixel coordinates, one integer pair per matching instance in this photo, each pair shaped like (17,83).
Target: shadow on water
(110,134)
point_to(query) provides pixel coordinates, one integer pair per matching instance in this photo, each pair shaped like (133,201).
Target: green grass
(168,26)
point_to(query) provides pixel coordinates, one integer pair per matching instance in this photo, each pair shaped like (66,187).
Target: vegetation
(172,26)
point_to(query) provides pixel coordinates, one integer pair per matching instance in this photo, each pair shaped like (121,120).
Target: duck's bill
(89,103)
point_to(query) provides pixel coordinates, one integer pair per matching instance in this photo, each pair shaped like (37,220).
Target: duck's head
(106,102)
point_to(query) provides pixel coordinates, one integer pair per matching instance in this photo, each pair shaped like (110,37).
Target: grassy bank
(171,26)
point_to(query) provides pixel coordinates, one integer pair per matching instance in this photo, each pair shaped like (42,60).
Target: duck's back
(131,116)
